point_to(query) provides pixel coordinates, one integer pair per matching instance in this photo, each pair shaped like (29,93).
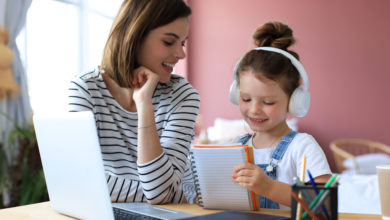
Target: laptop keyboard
(121,214)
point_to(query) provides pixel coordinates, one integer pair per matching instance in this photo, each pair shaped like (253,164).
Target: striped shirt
(176,106)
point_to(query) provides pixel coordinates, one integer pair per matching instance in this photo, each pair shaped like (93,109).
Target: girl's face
(263,103)
(163,48)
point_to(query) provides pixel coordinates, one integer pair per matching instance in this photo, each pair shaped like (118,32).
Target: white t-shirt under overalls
(290,164)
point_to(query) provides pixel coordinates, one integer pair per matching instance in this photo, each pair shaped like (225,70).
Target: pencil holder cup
(314,205)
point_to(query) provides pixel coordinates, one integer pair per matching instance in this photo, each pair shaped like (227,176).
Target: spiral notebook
(212,166)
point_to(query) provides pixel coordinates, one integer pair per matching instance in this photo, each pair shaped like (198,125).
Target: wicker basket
(344,149)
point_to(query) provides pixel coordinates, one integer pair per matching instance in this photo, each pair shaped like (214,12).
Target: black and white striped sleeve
(161,178)
(79,96)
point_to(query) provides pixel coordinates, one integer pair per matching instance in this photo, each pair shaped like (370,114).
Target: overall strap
(245,138)
(280,150)
(283,144)
(270,168)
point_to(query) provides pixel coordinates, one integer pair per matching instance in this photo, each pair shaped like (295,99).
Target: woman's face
(163,48)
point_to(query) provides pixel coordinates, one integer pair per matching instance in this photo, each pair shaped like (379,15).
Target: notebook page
(214,168)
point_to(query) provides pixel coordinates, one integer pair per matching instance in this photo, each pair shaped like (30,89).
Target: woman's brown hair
(135,19)
(273,65)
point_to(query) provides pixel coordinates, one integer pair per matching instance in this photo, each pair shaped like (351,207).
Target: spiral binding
(196,180)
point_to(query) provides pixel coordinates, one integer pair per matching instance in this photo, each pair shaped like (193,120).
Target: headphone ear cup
(299,102)
(234,93)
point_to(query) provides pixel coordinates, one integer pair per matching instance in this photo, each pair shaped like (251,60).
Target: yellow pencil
(302,178)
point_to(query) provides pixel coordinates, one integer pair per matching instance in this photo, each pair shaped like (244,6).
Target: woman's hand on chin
(144,82)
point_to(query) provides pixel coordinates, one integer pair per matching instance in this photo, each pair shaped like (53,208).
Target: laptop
(74,172)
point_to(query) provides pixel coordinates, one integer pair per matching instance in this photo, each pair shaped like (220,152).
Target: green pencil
(314,202)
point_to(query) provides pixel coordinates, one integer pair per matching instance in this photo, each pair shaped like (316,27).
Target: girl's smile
(257,121)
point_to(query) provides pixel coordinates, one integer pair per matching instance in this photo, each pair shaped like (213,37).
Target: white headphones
(300,98)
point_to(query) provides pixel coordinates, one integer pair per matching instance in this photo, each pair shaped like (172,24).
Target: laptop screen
(74,171)
(72,164)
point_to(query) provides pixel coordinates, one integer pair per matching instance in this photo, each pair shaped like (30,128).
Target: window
(62,38)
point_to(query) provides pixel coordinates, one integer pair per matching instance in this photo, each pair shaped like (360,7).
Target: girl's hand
(252,177)
(144,82)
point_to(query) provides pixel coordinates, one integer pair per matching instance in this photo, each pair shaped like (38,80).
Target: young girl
(267,80)
(144,114)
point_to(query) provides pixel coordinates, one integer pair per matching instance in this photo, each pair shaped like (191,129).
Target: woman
(144,114)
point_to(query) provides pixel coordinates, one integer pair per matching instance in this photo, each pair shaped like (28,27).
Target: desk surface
(43,211)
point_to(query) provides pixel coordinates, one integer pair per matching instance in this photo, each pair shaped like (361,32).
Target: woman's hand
(252,177)
(144,82)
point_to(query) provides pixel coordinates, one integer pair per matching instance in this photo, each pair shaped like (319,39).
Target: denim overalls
(270,169)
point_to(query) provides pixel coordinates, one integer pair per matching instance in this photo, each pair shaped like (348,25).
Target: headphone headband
(294,61)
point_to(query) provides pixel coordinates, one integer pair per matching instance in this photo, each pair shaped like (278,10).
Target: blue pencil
(313,183)
(314,202)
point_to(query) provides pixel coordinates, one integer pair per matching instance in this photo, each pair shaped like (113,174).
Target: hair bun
(274,34)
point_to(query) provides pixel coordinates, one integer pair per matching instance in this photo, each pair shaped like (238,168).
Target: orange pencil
(304,205)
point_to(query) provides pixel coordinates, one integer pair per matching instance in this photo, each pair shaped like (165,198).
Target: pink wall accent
(344,46)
